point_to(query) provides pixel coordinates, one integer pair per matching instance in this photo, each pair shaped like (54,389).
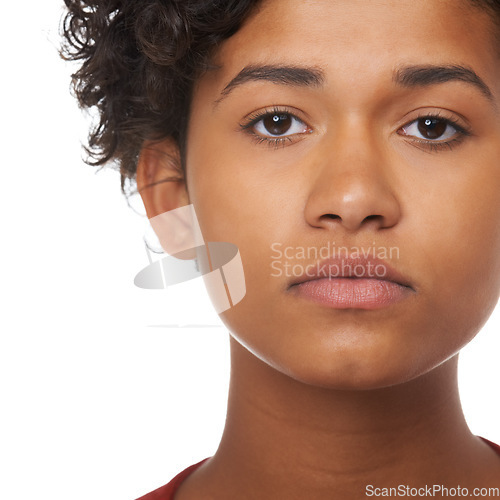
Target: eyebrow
(427,75)
(296,76)
(405,76)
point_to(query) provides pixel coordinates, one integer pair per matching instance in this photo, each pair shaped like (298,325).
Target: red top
(167,492)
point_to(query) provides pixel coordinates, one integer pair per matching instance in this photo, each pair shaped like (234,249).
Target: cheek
(241,200)
(458,253)
(472,238)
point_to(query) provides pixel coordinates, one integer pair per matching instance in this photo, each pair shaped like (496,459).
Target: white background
(95,403)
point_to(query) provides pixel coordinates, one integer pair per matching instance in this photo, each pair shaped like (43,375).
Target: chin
(360,350)
(362,366)
(355,376)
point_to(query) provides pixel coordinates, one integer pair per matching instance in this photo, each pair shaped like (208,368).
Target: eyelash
(276,142)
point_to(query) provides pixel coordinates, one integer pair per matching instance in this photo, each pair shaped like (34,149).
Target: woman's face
(337,134)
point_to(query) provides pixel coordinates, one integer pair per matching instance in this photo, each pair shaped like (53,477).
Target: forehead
(360,42)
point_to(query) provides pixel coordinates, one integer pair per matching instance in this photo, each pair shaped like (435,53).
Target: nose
(352,186)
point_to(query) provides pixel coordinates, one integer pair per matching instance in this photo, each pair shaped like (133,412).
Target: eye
(279,124)
(435,132)
(432,128)
(275,127)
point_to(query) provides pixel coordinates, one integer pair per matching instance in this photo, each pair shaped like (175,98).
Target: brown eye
(432,128)
(277,124)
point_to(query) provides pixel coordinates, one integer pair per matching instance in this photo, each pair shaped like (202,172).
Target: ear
(160,180)
(161,184)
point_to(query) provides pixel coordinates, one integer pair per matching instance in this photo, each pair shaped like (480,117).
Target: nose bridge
(352,184)
(352,146)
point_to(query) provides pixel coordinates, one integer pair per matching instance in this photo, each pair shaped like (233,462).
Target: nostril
(332,216)
(372,217)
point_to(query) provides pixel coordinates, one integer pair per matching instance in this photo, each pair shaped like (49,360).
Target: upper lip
(351,267)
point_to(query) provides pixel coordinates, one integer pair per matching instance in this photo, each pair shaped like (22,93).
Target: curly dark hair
(140,59)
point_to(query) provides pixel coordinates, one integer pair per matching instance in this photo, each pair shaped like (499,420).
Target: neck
(306,441)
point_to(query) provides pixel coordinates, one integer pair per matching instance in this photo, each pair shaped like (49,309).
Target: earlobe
(161,184)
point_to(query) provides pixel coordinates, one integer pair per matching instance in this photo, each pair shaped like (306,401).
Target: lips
(352,283)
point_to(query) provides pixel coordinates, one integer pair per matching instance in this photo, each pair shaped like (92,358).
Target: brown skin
(323,402)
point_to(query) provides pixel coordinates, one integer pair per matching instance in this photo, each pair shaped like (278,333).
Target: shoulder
(493,445)
(167,491)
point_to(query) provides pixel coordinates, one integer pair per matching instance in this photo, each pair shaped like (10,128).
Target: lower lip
(352,293)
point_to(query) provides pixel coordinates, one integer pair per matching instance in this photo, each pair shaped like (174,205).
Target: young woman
(298,126)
